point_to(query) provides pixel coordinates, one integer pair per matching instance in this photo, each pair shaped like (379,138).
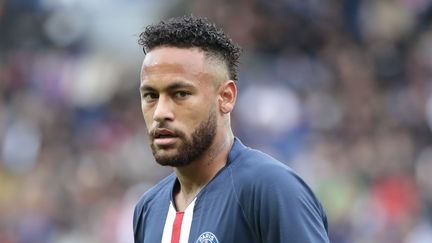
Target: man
(221,190)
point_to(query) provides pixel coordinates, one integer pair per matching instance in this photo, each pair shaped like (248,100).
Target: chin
(171,161)
(172,158)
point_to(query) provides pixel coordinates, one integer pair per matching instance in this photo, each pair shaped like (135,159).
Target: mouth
(164,137)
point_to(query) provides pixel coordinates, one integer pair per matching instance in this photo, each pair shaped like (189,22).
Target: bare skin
(180,87)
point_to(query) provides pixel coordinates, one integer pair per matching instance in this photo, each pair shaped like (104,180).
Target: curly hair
(190,31)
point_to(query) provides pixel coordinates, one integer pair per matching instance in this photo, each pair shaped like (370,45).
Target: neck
(196,175)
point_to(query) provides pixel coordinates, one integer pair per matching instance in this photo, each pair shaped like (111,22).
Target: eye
(150,96)
(181,94)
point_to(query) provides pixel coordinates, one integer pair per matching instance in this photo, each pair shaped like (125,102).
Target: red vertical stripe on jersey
(175,237)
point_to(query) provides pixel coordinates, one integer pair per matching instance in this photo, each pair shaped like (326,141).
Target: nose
(163,111)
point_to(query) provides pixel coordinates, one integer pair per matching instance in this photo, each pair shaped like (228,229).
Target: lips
(164,137)
(164,133)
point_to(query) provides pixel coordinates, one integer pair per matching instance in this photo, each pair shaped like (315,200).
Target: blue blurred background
(340,90)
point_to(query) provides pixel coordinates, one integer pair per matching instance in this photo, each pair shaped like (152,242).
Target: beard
(190,149)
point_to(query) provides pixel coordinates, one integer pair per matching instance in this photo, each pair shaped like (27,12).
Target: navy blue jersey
(254,198)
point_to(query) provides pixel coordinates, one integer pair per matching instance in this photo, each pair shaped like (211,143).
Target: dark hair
(190,31)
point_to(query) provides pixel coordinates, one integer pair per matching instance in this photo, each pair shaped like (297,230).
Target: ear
(227,96)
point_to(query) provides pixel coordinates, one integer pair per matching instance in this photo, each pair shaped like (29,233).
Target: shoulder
(153,194)
(257,176)
(262,169)
(151,205)
(275,201)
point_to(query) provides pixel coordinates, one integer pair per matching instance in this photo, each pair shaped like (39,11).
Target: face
(178,101)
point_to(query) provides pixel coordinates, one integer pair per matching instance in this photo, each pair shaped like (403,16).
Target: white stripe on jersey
(187,222)
(185,227)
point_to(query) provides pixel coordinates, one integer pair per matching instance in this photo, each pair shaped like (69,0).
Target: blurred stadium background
(340,90)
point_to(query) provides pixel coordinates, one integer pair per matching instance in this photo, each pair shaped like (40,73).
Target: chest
(216,216)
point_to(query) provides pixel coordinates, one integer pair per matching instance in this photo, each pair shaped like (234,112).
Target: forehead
(172,60)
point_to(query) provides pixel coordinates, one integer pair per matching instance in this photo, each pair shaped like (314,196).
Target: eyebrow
(173,86)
